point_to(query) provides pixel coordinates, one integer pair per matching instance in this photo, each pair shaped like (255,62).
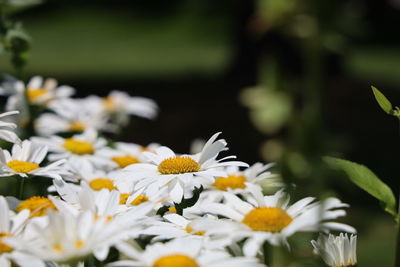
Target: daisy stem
(397,246)
(21,182)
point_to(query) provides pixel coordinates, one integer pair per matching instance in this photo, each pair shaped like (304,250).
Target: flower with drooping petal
(5,133)
(181,173)
(337,251)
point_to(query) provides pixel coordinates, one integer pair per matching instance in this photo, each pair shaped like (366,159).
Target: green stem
(21,187)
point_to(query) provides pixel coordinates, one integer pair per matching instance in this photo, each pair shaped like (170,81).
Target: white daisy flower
(73,115)
(25,159)
(183,252)
(69,237)
(12,226)
(5,133)
(38,92)
(181,173)
(122,104)
(80,148)
(337,251)
(272,219)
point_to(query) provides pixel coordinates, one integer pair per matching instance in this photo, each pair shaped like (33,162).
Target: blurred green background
(307,66)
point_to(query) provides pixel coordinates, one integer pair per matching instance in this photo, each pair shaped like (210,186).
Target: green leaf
(366,180)
(383,102)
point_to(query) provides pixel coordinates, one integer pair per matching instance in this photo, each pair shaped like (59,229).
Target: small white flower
(272,219)
(80,148)
(337,251)
(5,133)
(181,174)
(12,226)
(183,252)
(25,159)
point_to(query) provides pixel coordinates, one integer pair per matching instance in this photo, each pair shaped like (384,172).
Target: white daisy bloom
(121,103)
(5,133)
(38,92)
(183,252)
(25,159)
(70,237)
(337,251)
(181,173)
(80,148)
(237,179)
(124,154)
(177,226)
(272,219)
(12,226)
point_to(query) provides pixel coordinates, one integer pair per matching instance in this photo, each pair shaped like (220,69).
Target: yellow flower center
(190,230)
(34,94)
(77,126)
(22,166)
(172,209)
(78,147)
(178,165)
(109,103)
(126,160)
(139,200)
(37,205)
(79,243)
(4,248)
(232,182)
(123,198)
(175,260)
(58,248)
(267,219)
(102,183)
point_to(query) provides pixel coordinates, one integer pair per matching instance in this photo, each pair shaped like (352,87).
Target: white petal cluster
(125,204)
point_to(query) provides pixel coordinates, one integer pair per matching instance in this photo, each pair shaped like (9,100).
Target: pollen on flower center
(79,243)
(126,160)
(22,166)
(102,183)
(139,200)
(37,205)
(123,198)
(175,260)
(78,147)
(232,181)
(267,219)
(178,165)
(190,230)
(34,94)
(4,248)
(109,103)
(77,126)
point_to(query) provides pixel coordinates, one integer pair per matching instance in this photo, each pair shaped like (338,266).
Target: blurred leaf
(383,102)
(366,180)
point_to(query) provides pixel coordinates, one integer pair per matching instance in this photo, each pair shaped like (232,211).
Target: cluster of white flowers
(124,204)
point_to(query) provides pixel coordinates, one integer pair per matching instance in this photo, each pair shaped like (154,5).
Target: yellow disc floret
(123,198)
(77,126)
(109,103)
(126,160)
(178,165)
(102,183)
(267,219)
(175,260)
(139,200)
(190,230)
(232,182)
(78,147)
(22,166)
(37,205)
(4,248)
(35,94)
